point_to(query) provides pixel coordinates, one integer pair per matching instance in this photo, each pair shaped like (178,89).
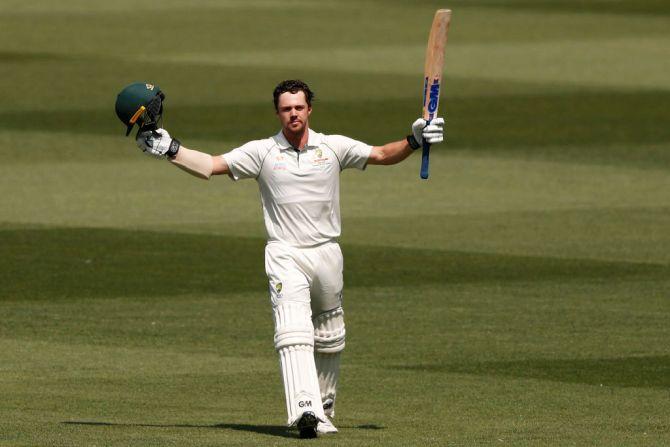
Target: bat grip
(424,160)
(425,156)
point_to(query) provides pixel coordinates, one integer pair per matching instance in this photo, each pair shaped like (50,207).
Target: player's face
(293,112)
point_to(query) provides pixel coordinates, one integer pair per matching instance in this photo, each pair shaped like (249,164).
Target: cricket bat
(432,75)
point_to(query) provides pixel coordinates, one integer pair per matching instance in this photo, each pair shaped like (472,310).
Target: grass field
(520,296)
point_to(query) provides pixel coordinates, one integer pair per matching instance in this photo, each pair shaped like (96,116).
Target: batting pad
(294,340)
(329,335)
(301,385)
(293,324)
(328,370)
(329,331)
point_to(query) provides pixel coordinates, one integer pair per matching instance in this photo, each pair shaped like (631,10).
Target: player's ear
(309,110)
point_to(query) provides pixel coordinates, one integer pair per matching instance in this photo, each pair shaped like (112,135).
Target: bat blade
(432,75)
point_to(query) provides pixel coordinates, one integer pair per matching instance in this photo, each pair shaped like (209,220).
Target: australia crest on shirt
(319,158)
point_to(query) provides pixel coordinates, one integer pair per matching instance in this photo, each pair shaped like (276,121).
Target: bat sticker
(434,98)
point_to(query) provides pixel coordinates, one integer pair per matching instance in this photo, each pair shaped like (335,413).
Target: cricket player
(297,171)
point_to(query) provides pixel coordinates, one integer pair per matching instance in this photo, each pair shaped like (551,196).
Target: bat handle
(424,160)
(425,155)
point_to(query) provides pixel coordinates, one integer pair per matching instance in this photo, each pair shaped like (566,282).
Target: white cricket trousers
(309,275)
(306,282)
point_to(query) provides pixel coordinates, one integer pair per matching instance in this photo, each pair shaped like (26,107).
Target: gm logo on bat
(434,97)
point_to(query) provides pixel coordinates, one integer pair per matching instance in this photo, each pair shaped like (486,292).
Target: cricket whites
(432,75)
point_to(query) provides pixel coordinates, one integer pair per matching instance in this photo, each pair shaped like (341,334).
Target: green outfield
(520,296)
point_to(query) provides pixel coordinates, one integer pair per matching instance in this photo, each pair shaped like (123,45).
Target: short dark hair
(293,86)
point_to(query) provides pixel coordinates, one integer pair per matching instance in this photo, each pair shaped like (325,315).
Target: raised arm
(159,144)
(200,164)
(397,151)
(390,153)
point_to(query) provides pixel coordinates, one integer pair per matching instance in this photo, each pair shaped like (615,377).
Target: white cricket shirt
(300,190)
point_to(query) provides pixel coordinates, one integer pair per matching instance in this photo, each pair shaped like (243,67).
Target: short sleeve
(245,161)
(350,153)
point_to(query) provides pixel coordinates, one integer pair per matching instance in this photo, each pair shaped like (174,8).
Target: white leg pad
(294,341)
(329,335)
(328,369)
(329,331)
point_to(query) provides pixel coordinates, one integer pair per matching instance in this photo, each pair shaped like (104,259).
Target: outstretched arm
(200,164)
(392,153)
(159,144)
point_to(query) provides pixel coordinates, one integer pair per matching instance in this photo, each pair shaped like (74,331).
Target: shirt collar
(313,140)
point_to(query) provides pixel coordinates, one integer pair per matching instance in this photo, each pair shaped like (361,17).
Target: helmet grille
(154,109)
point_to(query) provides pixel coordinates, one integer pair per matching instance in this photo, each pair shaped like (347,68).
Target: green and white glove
(157,143)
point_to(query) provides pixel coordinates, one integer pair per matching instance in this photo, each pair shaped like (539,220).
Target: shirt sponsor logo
(280,163)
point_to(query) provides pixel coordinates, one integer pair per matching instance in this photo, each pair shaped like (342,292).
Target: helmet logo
(149,86)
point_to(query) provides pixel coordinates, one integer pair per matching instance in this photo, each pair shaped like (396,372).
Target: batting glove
(158,143)
(433,133)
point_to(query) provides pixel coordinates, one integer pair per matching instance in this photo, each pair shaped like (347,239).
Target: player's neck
(297,140)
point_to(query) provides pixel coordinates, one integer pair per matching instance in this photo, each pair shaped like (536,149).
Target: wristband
(412,142)
(174,148)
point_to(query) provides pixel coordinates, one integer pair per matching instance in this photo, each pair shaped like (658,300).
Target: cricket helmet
(140,103)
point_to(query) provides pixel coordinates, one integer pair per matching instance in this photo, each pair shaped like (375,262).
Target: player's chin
(296,126)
